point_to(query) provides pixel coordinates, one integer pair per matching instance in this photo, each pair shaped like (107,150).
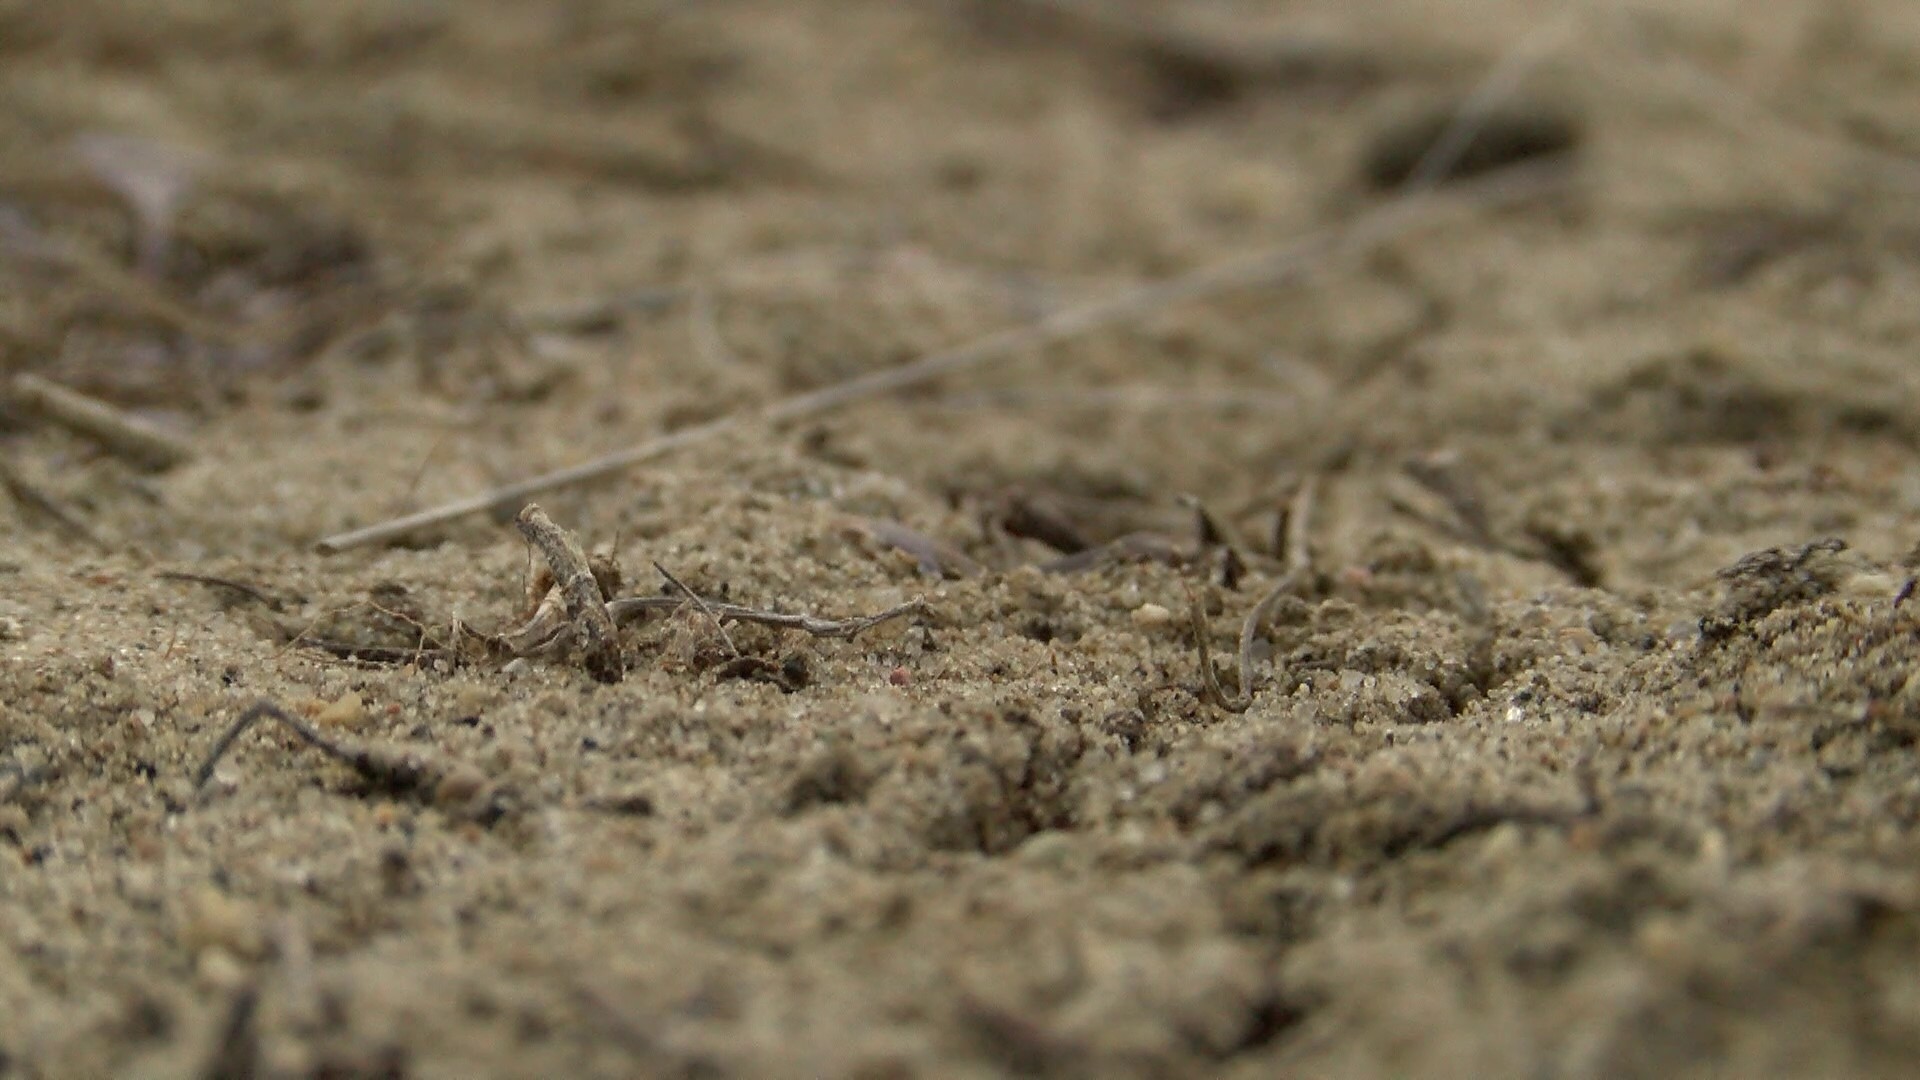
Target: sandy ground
(1580,741)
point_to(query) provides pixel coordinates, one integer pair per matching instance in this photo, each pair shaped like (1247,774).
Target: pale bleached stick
(1393,219)
(1370,230)
(140,442)
(586,608)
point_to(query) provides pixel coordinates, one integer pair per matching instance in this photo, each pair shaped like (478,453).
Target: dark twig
(28,494)
(1299,556)
(1446,476)
(1214,535)
(637,607)
(254,714)
(1208,528)
(1209,678)
(251,592)
(375,656)
(701,604)
(391,768)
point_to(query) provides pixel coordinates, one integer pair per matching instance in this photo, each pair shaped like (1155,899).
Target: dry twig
(573,577)
(638,607)
(1299,559)
(29,495)
(1447,476)
(590,617)
(1372,229)
(702,605)
(396,769)
(933,556)
(139,442)
(251,592)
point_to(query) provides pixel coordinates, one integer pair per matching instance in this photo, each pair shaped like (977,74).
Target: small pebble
(219,970)
(462,784)
(472,700)
(214,920)
(347,711)
(1151,616)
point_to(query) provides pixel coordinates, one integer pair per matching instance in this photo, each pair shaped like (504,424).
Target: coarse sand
(1578,742)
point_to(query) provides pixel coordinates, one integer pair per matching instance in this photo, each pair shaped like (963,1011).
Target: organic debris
(412,772)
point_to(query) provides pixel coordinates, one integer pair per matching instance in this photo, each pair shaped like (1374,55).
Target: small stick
(702,605)
(546,630)
(1366,232)
(1211,531)
(253,715)
(1299,556)
(1296,545)
(1210,678)
(1214,535)
(1249,633)
(635,607)
(394,768)
(140,442)
(252,592)
(28,494)
(586,608)
(1446,476)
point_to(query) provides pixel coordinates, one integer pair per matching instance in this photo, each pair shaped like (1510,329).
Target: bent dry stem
(398,769)
(586,608)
